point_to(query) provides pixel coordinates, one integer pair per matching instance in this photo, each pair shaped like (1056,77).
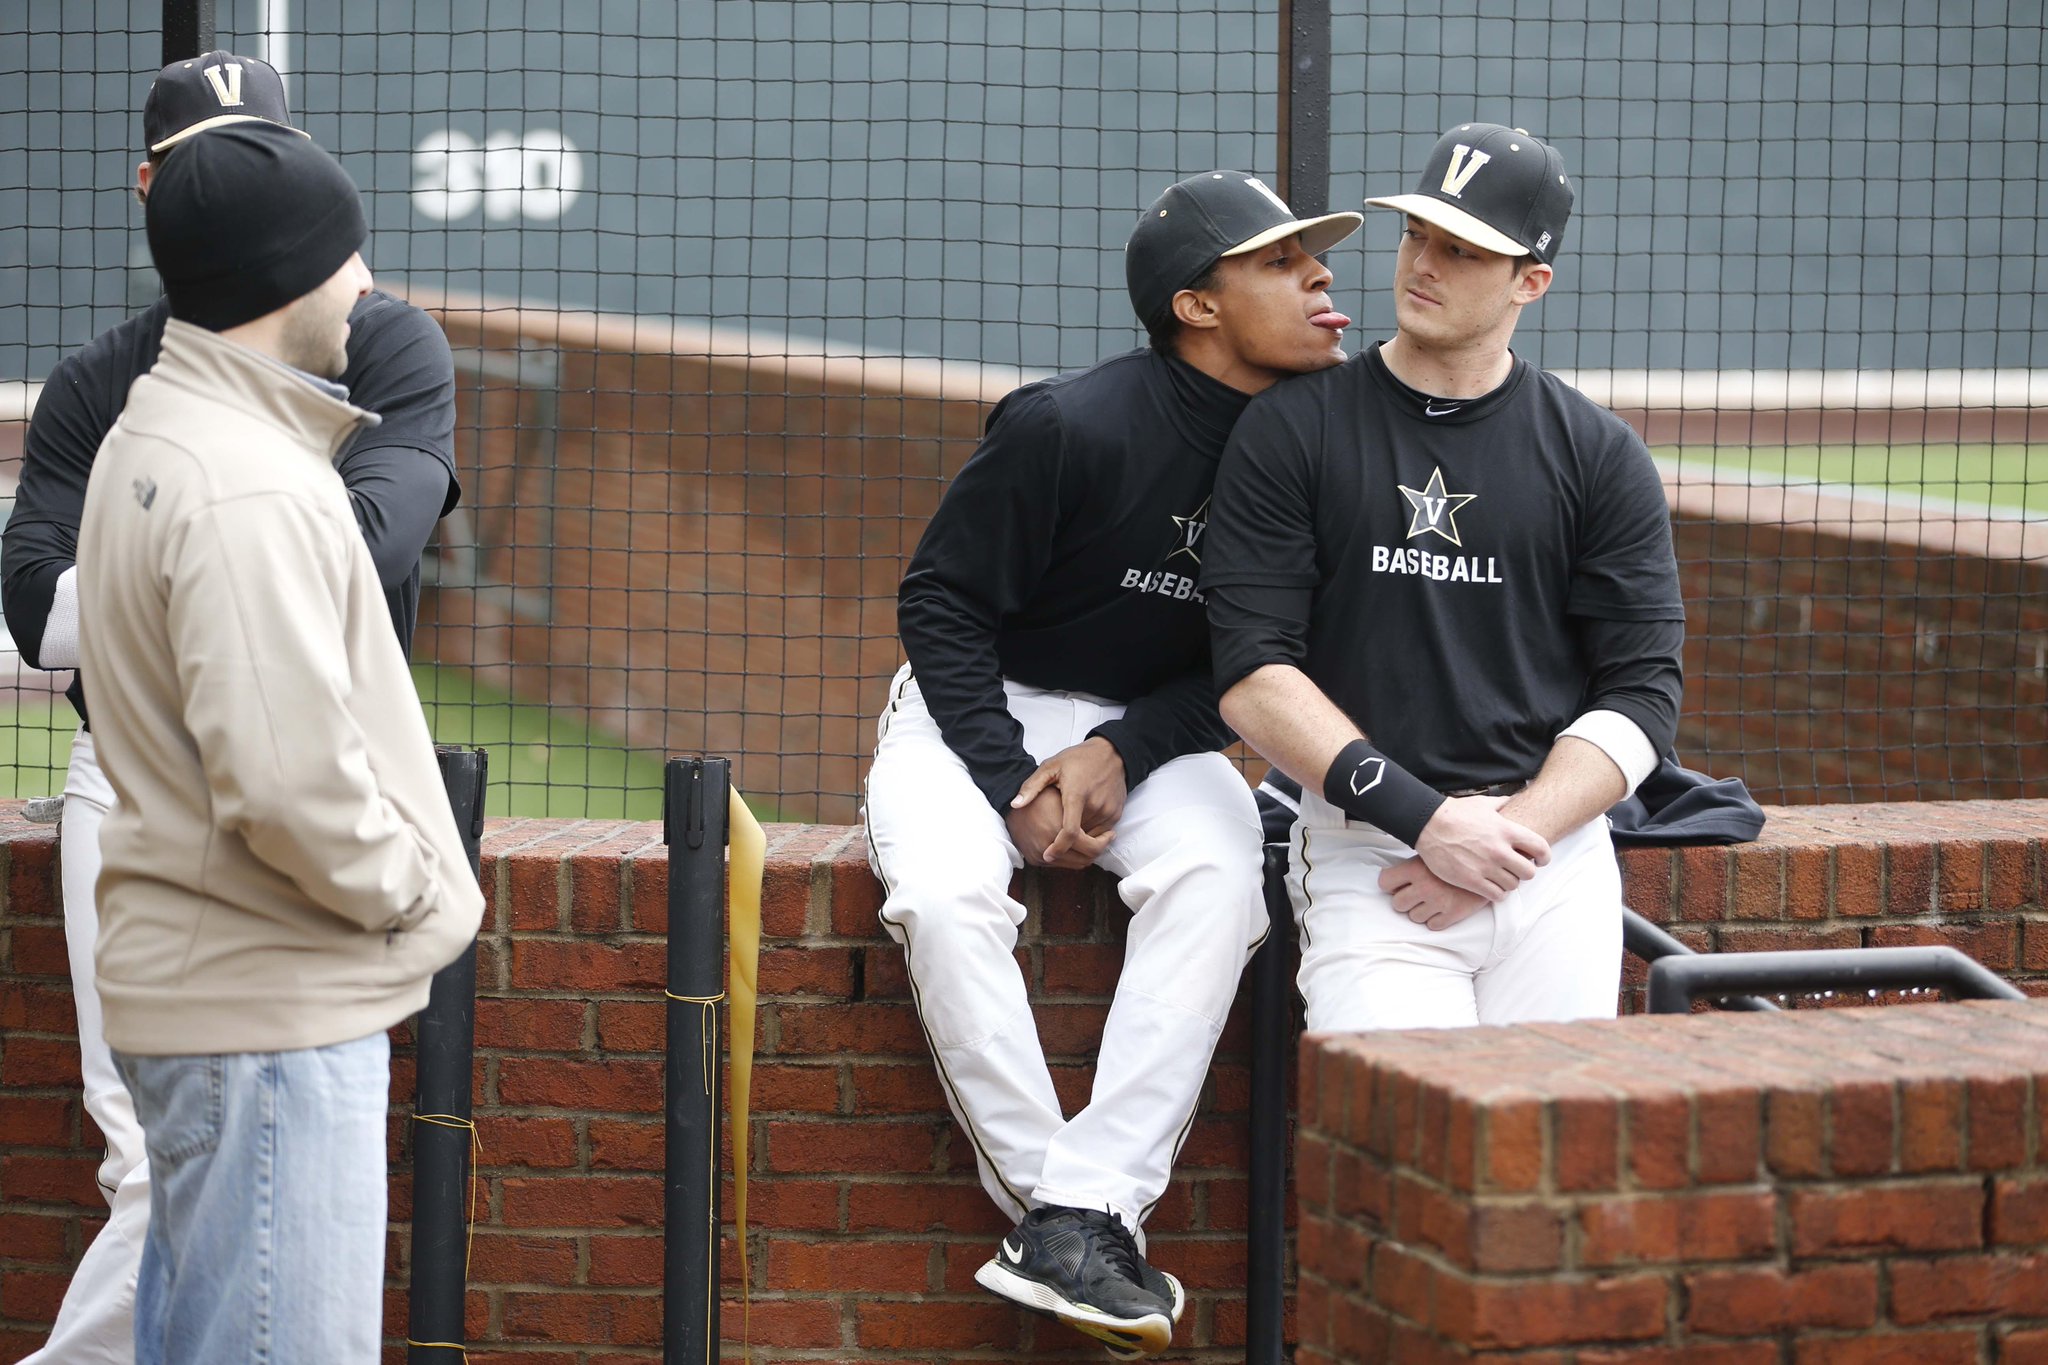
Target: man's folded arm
(1175,719)
(263,670)
(982,555)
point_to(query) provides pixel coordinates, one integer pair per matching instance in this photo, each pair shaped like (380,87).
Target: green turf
(2014,477)
(35,744)
(542,760)
(551,762)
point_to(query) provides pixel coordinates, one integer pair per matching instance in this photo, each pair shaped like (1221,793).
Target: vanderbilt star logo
(1191,528)
(1435,510)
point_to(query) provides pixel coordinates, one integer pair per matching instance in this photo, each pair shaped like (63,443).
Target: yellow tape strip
(749,856)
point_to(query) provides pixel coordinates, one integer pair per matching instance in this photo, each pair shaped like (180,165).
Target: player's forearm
(1578,782)
(954,663)
(30,597)
(396,493)
(1173,720)
(58,647)
(1286,717)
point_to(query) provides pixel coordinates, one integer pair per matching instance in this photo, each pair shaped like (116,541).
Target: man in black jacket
(1057,709)
(401,480)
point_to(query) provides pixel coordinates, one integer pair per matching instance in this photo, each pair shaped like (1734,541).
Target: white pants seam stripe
(946,1079)
(1188,860)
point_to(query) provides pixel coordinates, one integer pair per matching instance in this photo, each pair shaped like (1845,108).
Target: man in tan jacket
(282,875)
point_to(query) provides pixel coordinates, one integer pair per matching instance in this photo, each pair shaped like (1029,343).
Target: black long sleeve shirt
(1065,556)
(400,475)
(1461,578)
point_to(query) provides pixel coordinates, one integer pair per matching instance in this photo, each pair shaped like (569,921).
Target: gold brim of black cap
(1453,220)
(1317,234)
(217,121)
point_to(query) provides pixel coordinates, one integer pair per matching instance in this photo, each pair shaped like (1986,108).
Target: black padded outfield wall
(1826,185)
(930,178)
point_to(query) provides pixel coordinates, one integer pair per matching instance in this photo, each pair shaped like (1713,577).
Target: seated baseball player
(1057,710)
(1445,602)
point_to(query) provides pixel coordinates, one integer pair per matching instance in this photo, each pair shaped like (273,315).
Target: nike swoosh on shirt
(1432,410)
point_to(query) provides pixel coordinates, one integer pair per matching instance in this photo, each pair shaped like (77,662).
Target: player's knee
(1220,851)
(940,912)
(1215,877)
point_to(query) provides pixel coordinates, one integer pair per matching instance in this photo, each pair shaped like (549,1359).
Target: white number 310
(537,176)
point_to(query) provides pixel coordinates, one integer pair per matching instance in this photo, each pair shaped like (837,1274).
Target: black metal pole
(1653,945)
(188,29)
(1302,166)
(1675,982)
(1304,122)
(1265,1236)
(694,792)
(443,1140)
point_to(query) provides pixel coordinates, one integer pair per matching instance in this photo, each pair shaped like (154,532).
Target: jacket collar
(253,383)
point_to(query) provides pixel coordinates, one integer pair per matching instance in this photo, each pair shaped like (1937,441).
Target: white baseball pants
(96,1323)
(1549,950)
(1187,859)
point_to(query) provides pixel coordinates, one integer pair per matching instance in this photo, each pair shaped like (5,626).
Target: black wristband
(1367,785)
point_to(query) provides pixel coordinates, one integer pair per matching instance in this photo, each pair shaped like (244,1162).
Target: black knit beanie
(247,217)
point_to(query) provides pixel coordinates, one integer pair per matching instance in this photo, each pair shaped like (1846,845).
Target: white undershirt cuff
(1621,739)
(60,630)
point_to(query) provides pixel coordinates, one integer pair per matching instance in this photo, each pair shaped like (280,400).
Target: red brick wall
(1832,1188)
(1968,874)
(695,538)
(700,543)
(867,1219)
(1839,651)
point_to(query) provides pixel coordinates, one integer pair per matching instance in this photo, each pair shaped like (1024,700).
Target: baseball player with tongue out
(1058,710)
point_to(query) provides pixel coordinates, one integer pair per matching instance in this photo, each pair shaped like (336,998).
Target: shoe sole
(1180,1303)
(1143,1336)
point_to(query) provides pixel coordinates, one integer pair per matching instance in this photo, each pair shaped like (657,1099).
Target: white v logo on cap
(1264,189)
(1461,171)
(229,89)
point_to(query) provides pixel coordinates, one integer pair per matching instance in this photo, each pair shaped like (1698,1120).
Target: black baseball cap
(1498,188)
(208,91)
(1206,217)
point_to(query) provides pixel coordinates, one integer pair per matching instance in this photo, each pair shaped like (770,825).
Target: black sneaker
(1081,1267)
(1166,1287)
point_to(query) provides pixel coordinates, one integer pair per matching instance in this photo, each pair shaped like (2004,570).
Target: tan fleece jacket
(281,869)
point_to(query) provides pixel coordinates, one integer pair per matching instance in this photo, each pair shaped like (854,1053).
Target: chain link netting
(730,286)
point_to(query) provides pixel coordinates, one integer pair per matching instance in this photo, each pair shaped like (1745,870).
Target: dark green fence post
(188,29)
(694,793)
(444,1137)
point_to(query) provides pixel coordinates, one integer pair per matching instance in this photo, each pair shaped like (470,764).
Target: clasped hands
(1468,856)
(1065,814)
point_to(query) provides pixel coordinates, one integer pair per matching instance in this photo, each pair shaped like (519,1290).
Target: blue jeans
(267,1205)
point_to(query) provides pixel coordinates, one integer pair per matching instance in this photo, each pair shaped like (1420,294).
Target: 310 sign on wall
(537,176)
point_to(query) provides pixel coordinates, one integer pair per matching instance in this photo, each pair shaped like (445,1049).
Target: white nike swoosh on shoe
(1014,1253)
